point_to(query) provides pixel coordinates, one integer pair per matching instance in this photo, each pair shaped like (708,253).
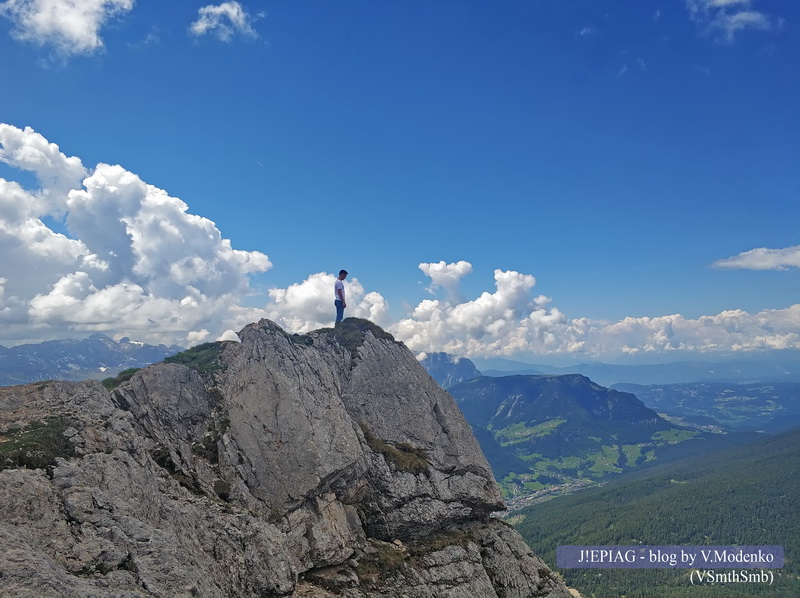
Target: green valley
(768,406)
(553,434)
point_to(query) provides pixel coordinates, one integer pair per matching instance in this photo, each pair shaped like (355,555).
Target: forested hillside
(748,495)
(558,433)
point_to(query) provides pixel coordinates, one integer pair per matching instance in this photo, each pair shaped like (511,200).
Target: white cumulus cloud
(763,259)
(511,321)
(446,276)
(69,26)
(730,330)
(98,249)
(308,305)
(503,322)
(132,260)
(223,21)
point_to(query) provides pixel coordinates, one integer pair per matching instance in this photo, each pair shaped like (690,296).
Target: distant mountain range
(768,406)
(550,433)
(448,370)
(779,366)
(540,432)
(561,414)
(762,393)
(95,357)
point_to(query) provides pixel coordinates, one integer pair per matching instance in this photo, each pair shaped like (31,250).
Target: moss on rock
(351,332)
(36,445)
(204,359)
(403,456)
(123,376)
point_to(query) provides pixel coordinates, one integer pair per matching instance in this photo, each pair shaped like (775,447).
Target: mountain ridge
(285,465)
(547,431)
(769,406)
(95,357)
(783,366)
(448,369)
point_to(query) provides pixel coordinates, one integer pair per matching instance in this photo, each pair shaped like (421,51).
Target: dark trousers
(339,310)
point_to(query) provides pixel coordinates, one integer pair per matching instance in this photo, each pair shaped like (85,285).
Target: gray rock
(327,464)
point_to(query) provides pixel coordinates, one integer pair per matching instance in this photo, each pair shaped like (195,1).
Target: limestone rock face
(328,464)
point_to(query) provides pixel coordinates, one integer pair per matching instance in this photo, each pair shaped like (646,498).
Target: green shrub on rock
(36,445)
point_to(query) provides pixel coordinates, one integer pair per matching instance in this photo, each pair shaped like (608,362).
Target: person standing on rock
(338,295)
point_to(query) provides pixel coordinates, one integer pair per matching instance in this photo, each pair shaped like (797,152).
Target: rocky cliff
(328,464)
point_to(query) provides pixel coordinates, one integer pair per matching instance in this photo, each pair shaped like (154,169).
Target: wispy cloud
(71,27)
(153,38)
(588,30)
(763,259)
(223,21)
(727,18)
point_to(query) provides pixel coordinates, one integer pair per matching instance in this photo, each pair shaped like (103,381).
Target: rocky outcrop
(328,464)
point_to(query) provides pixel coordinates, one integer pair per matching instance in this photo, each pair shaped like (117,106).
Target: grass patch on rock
(204,359)
(383,560)
(36,445)
(440,541)
(403,456)
(123,376)
(351,332)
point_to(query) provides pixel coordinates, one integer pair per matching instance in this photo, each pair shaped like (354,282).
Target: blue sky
(639,159)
